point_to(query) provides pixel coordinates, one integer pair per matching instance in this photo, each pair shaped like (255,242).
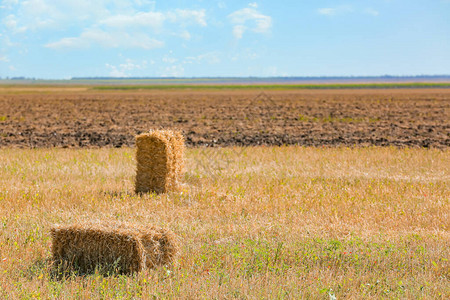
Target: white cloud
(332,11)
(39,14)
(246,54)
(222,4)
(172,71)
(140,19)
(153,19)
(102,22)
(116,72)
(185,35)
(253,4)
(8,4)
(156,19)
(169,59)
(344,9)
(120,28)
(130,65)
(6,42)
(186,16)
(273,71)
(145,3)
(72,42)
(4,58)
(210,58)
(92,37)
(122,70)
(249,19)
(372,12)
(11,24)
(46,14)
(327,11)
(238,31)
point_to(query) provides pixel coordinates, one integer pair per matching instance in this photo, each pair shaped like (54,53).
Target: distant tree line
(284,78)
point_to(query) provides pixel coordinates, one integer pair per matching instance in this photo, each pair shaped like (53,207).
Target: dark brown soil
(71,118)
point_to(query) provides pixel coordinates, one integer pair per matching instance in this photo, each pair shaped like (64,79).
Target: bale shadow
(63,270)
(58,271)
(39,267)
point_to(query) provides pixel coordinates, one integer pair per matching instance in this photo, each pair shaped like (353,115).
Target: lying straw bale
(159,160)
(112,247)
(160,244)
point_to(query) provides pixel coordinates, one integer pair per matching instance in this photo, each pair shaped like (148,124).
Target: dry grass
(283,222)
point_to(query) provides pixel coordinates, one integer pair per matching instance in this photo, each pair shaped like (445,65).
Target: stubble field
(71,117)
(253,222)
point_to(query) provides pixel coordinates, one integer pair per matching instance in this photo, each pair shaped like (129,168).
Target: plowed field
(59,117)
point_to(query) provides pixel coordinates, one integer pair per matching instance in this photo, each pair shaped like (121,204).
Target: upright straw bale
(176,141)
(113,247)
(153,163)
(160,162)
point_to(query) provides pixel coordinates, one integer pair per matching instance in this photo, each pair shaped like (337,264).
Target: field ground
(77,116)
(256,222)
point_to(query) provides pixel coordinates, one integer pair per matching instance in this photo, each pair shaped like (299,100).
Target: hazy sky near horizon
(56,39)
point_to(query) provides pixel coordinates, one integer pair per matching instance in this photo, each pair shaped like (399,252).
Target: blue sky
(57,39)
